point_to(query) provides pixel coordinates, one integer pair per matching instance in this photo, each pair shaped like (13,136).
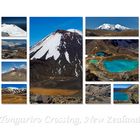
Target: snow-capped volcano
(112,27)
(12,30)
(51,45)
(61,51)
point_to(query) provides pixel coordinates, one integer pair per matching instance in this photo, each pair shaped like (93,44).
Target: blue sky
(14,85)
(6,66)
(42,26)
(93,22)
(122,85)
(14,20)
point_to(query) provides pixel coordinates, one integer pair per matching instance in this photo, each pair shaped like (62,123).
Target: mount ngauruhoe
(58,58)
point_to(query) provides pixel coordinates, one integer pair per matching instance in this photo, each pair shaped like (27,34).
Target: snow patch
(112,27)
(67,56)
(49,45)
(13,30)
(59,71)
(76,73)
(75,31)
(59,62)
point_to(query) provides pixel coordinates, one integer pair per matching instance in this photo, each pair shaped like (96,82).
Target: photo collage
(69,60)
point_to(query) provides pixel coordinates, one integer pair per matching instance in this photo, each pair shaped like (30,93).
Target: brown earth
(44,91)
(111,33)
(13,99)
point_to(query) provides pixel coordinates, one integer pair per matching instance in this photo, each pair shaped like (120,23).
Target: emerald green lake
(94,61)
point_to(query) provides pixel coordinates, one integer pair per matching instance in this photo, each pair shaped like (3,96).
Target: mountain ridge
(112,27)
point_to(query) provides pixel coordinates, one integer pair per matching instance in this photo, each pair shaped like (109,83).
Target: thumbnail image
(14,27)
(14,49)
(126,93)
(98,94)
(14,71)
(112,60)
(112,26)
(56,60)
(14,93)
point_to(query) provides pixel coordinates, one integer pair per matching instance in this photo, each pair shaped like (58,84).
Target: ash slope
(96,94)
(15,75)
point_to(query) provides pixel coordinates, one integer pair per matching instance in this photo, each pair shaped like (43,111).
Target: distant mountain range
(112,27)
(13,90)
(13,47)
(12,44)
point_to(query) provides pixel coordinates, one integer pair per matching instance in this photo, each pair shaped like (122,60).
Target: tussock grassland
(13,99)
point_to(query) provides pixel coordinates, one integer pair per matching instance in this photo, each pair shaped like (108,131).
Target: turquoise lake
(121,96)
(100,54)
(120,65)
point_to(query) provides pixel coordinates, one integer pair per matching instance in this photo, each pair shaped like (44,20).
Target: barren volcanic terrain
(112,60)
(98,94)
(90,32)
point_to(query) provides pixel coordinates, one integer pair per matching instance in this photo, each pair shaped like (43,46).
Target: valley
(17,53)
(14,49)
(11,94)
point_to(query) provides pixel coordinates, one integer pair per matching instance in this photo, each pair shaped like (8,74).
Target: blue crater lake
(120,65)
(100,54)
(120,96)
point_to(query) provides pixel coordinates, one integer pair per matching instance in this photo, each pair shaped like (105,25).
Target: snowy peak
(120,27)
(105,27)
(56,44)
(112,27)
(12,30)
(69,31)
(12,88)
(62,51)
(75,31)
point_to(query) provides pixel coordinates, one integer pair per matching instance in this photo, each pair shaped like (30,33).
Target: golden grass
(13,99)
(44,91)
